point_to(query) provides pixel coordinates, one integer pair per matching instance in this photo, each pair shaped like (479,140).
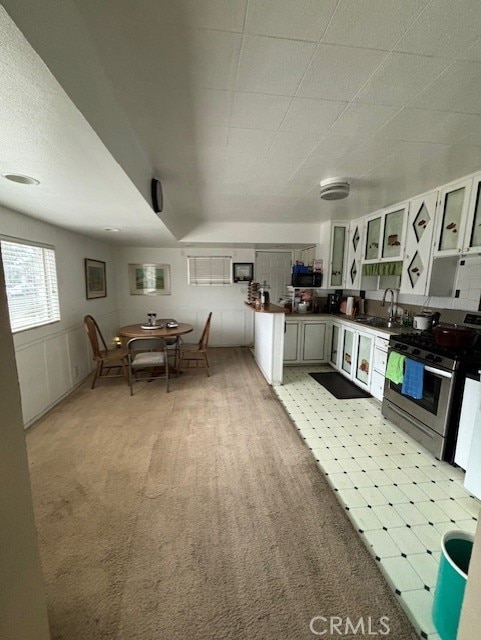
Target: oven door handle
(438,372)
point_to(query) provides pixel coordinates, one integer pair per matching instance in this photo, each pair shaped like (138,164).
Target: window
(31,282)
(209,270)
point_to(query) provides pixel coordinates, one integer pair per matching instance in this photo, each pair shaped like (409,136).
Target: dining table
(159,330)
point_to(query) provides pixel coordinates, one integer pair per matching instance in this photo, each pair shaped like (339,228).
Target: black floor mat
(337,384)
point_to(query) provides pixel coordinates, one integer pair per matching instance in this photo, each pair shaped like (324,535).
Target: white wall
(232,321)
(53,359)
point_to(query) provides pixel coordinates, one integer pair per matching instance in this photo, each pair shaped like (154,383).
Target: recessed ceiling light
(20,179)
(111,229)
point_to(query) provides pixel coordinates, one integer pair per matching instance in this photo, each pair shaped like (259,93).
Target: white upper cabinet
(472,233)
(337,261)
(385,234)
(393,233)
(419,238)
(354,254)
(451,218)
(373,237)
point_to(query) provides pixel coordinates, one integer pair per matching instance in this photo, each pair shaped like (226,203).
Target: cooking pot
(454,336)
(425,321)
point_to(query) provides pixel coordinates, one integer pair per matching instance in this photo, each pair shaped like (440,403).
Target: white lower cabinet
(361,356)
(335,350)
(364,351)
(357,349)
(291,342)
(305,341)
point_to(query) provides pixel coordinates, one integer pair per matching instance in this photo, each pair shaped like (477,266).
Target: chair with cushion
(195,355)
(173,342)
(108,360)
(148,360)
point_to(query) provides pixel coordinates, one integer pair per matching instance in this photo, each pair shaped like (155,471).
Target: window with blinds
(31,283)
(209,270)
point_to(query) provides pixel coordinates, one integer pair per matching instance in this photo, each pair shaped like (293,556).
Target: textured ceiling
(243,106)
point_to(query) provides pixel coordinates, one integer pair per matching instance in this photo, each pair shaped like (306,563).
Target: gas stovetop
(423,347)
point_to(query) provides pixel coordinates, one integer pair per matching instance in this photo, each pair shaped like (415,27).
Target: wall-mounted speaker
(157,195)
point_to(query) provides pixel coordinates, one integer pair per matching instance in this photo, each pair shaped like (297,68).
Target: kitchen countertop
(339,316)
(266,308)
(274,308)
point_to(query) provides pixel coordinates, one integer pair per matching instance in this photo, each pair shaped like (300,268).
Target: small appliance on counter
(333,303)
(425,320)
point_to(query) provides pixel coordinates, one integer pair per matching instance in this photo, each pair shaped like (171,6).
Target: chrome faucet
(392,320)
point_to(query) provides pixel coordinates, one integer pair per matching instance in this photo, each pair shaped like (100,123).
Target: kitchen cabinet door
(418,246)
(451,218)
(291,342)
(363,364)
(337,262)
(393,233)
(373,237)
(472,234)
(335,345)
(354,254)
(348,352)
(304,341)
(312,341)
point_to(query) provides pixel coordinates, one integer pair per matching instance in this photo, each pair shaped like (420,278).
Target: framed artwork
(243,271)
(95,279)
(149,279)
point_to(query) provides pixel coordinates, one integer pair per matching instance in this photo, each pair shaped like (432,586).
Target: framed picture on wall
(149,279)
(95,279)
(243,271)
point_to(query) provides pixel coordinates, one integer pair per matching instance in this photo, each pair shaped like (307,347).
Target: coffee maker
(333,302)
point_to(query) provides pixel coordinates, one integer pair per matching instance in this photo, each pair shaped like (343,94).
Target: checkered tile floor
(398,496)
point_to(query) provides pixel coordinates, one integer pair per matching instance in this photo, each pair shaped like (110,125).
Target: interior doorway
(275,268)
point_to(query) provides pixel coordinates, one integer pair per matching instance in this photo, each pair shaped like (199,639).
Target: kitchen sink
(375,321)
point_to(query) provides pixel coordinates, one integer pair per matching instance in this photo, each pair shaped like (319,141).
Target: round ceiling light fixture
(20,179)
(334,188)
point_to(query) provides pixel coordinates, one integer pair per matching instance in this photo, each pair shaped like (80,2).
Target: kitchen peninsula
(282,338)
(269,325)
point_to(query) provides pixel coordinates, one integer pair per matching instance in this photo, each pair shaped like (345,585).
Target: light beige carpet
(195,514)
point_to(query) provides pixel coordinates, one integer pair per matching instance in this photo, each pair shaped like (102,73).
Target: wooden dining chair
(195,355)
(148,360)
(107,360)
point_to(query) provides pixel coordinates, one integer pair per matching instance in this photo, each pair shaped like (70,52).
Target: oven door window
(431,392)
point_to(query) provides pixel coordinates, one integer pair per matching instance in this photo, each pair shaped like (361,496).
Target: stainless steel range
(433,419)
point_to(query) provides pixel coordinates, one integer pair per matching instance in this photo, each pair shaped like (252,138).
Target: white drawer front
(380,360)
(377,385)
(382,343)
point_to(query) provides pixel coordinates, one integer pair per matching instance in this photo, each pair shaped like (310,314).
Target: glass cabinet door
(338,255)
(363,361)
(474,230)
(452,211)
(393,228)
(347,351)
(335,344)
(373,237)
